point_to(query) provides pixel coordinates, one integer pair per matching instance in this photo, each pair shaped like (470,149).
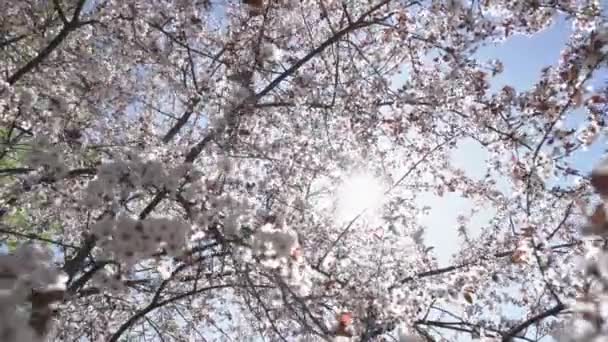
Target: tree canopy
(175,170)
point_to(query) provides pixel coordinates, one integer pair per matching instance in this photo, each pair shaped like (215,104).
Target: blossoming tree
(161,164)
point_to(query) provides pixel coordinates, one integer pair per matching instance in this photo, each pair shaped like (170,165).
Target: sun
(359,193)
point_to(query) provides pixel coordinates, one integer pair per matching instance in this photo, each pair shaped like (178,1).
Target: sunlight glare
(359,192)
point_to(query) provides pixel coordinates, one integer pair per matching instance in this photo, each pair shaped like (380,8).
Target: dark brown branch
(32,236)
(88,171)
(184,44)
(198,148)
(57,5)
(82,280)
(54,44)
(153,306)
(181,121)
(150,207)
(451,268)
(9,41)
(434,272)
(47,179)
(291,104)
(508,336)
(335,38)
(73,265)
(257,296)
(15,171)
(562,222)
(461,326)
(360,23)
(190,157)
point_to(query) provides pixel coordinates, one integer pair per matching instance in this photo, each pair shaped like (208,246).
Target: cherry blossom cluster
(30,284)
(121,177)
(269,98)
(108,281)
(16,99)
(231,212)
(47,156)
(272,244)
(129,240)
(590,308)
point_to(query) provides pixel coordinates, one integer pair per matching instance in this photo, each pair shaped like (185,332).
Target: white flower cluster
(229,208)
(598,47)
(544,166)
(268,52)
(16,101)
(274,245)
(31,266)
(28,99)
(588,134)
(109,282)
(590,322)
(27,271)
(591,310)
(5,88)
(44,155)
(298,275)
(232,224)
(129,175)
(129,240)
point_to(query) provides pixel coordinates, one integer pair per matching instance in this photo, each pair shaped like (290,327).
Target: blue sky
(523,58)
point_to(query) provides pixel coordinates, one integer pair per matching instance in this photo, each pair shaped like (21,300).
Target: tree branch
(508,336)
(153,306)
(181,121)
(54,44)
